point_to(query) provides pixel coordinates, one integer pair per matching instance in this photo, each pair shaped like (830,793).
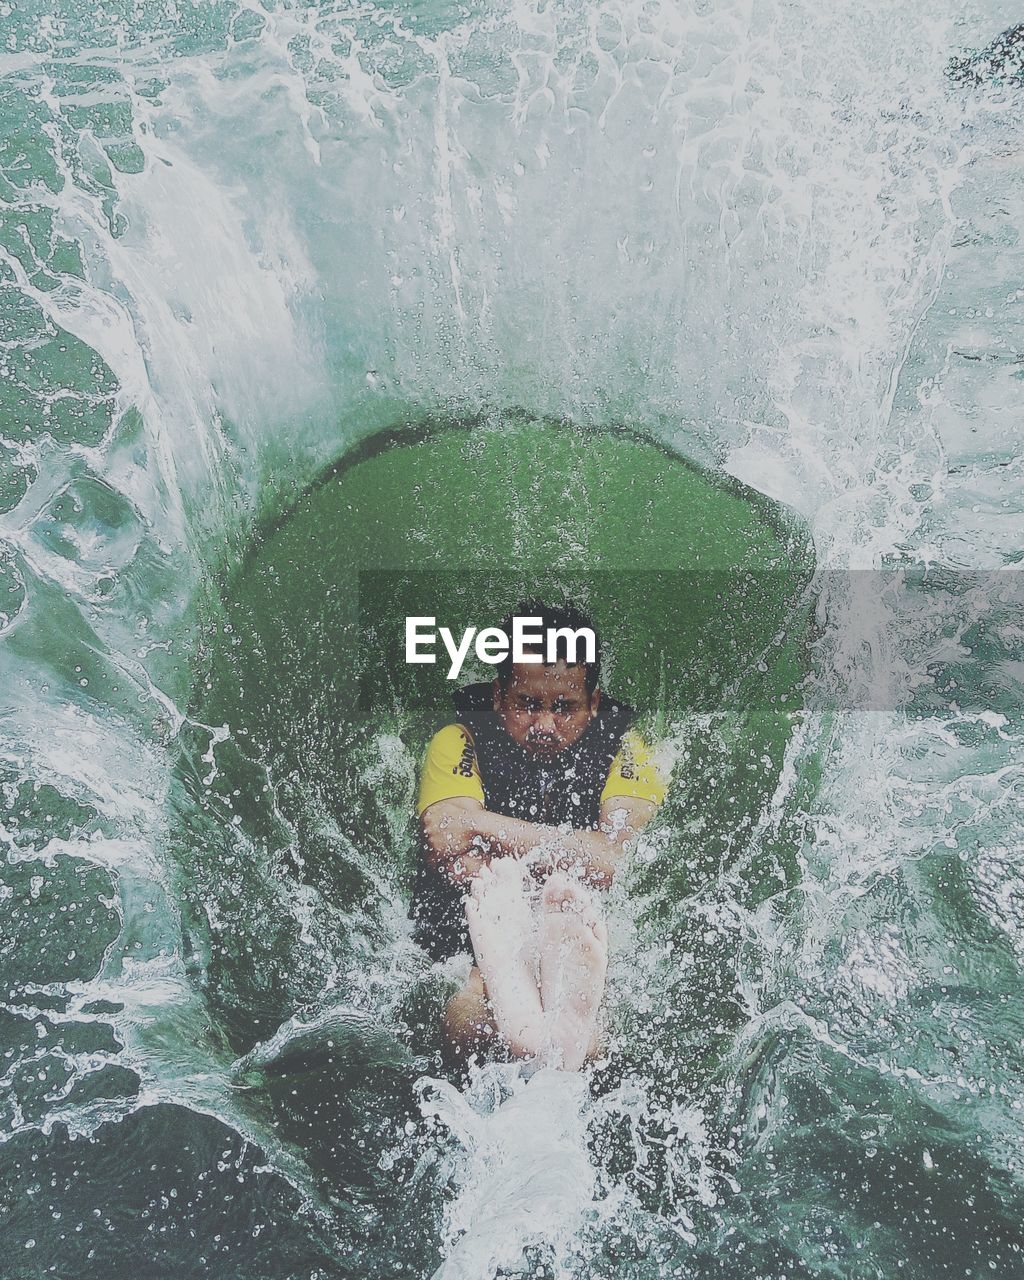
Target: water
(238,239)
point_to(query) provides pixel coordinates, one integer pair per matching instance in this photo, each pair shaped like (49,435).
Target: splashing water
(237,239)
(527,1179)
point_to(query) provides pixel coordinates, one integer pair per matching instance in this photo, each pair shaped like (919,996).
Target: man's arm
(460,836)
(449,836)
(599,852)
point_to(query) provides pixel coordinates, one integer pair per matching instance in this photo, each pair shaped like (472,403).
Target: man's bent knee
(467,1026)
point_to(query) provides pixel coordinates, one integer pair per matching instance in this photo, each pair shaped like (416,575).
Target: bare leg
(468,1026)
(503,929)
(573,964)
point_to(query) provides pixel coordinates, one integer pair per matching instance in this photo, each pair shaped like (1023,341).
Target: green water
(658,305)
(700,592)
(698,588)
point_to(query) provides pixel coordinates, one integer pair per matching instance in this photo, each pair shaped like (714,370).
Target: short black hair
(552,616)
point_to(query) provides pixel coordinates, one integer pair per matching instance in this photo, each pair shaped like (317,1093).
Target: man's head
(546,707)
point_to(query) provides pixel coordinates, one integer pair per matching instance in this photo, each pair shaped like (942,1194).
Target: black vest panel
(562,789)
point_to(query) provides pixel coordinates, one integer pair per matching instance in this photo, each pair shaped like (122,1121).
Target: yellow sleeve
(635,772)
(450,768)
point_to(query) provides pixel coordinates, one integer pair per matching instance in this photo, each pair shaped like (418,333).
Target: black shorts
(439,914)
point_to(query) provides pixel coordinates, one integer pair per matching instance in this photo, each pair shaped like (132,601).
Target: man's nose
(544,722)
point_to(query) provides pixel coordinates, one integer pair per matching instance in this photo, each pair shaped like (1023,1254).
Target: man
(527,805)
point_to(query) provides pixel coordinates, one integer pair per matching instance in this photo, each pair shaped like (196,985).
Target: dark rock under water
(999,62)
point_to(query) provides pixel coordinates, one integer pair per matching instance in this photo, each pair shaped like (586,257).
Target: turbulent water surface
(776,237)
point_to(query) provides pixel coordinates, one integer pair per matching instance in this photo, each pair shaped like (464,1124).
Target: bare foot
(573,964)
(503,928)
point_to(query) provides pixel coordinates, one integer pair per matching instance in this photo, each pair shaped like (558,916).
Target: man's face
(546,709)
